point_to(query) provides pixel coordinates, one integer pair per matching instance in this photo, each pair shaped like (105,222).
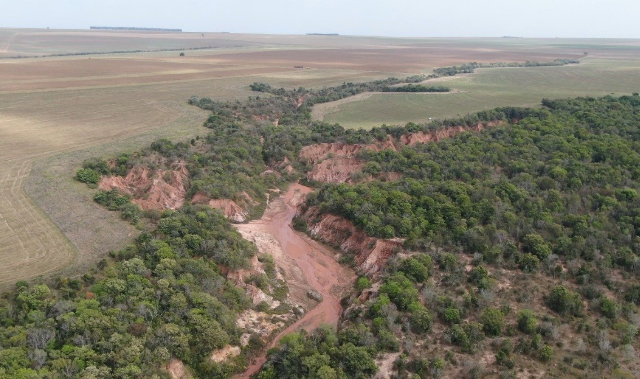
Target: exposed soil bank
(337,162)
(370,254)
(314,262)
(152,189)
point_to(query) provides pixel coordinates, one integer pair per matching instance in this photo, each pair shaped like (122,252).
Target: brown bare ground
(114,81)
(314,264)
(230,208)
(399,59)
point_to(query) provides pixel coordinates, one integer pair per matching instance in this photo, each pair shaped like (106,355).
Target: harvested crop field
(57,111)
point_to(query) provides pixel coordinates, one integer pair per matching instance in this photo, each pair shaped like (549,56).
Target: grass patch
(491,88)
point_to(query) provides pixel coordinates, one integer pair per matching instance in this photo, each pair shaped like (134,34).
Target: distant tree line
(468,68)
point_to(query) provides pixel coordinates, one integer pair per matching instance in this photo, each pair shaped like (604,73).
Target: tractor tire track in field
(31,244)
(9,42)
(29,240)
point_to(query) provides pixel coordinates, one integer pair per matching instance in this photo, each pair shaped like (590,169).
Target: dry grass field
(487,89)
(57,111)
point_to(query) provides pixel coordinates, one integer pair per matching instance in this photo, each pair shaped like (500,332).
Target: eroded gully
(316,262)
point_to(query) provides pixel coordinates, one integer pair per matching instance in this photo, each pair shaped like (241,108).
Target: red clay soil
(166,189)
(336,162)
(159,189)
(230,208)
(371,253)
(316,262)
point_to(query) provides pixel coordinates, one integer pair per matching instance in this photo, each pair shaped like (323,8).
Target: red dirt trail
(316,261)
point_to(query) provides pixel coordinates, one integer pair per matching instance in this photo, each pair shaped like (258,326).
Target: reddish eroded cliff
(234,211)
(337,162)
(152,189)
(370,254)
(166,189)
(441,134)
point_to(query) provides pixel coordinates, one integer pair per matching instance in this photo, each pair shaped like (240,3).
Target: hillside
(512,252)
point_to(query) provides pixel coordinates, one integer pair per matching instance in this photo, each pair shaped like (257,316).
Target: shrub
(363,283)
(546,353)
(633,294)
(111,199)
(503,358)
(387,341)
(565,301)
(479,276)
(88,176)
(527,322)
(492,322)
(460,338)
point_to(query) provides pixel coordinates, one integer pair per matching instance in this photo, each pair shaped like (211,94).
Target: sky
(397,18)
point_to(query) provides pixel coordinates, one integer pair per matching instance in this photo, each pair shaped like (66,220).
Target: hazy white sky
(420,18)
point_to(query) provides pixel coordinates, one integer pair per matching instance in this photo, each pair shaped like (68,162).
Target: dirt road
(316,262)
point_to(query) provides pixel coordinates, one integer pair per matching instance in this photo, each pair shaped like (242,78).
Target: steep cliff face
(337,162)
(234,211)
(152,189)
(167,189)
(370,254)
(442,134)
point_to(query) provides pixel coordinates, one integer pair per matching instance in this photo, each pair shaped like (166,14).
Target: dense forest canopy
(161,297)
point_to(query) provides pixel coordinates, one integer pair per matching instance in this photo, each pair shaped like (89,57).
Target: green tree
(565,301)
(87,175)
(529,262)
(492,322)
(452,316)
(420,320)
(609,308)
(527,321)
(356,361)
(535,244)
